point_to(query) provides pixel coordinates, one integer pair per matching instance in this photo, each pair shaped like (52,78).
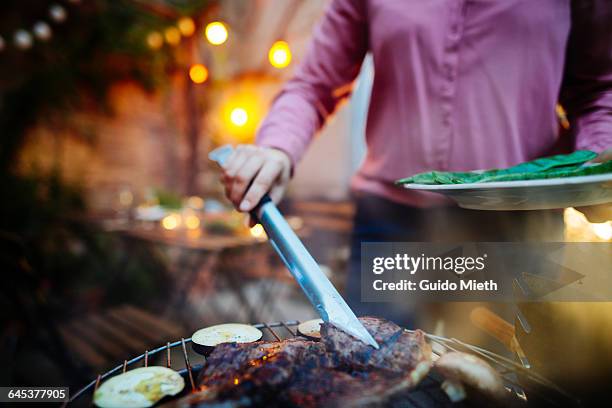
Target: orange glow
(198,73)
(172,35)
(236,381)
(216,33)
(186,26)
(192,221)
(155,40)
(280,54)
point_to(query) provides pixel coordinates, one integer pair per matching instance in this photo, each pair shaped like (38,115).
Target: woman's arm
(332,62)
(587,89)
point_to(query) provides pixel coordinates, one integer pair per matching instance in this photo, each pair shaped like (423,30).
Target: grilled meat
(400,351)
(338,371)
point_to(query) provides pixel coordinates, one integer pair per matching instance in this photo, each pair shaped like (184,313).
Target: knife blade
(318,289)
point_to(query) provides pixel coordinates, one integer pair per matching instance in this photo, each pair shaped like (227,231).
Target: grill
(529,388)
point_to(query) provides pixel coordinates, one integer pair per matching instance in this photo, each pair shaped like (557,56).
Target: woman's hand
(253,171)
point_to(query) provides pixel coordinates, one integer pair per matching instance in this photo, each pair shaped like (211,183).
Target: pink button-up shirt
(458,84)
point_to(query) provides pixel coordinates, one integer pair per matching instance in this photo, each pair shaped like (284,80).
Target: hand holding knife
(320,291)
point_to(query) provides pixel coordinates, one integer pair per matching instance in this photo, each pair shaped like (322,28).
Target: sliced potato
(311,328)
(204,340)
(138,388)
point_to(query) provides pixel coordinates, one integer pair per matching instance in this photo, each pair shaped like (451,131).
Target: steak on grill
(338,371)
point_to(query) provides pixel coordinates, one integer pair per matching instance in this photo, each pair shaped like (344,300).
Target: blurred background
(114,234)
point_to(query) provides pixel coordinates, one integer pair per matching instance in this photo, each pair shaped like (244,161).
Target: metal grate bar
(187,364)
(272,331)
(168,361)
(428,390)
(293,334)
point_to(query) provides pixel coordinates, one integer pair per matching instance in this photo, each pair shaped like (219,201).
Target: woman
(458,85)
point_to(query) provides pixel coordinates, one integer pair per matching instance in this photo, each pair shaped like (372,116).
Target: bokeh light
(257,231)
(186,26)
(216,33)
(172,35)
(155,40)
(198,73)
(171,221)
(280,54)
(239,116)
(192,221)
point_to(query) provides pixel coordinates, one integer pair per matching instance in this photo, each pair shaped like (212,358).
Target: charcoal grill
(528,387)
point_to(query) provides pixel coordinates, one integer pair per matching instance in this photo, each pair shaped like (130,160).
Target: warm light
(239,117)
(235,381)
(280,54)
(171,221)
(216,33)
(173,35)
(192,221)
(603,230)
(257,231)
(155,40)
(198,73)
(579,229)
(195,202)
(186,26)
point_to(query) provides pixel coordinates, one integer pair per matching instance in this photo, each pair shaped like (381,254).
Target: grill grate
(520,380)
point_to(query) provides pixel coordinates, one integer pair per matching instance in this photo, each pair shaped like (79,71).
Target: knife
(320,291)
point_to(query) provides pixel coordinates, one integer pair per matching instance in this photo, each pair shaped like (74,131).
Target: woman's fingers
(244,177)
(270,172)
(253,171)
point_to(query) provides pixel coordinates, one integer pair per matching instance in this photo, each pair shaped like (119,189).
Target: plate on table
(539,194)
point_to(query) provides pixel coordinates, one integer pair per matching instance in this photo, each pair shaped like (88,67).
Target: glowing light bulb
(280,54)
(216,33)
(171,221)
(186,26)
(198,73)
(155,40)
(192,222)
(239,117)
(173,35)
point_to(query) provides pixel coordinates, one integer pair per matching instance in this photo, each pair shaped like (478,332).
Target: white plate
(527,194)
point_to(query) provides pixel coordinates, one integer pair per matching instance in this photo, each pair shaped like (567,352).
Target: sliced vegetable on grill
(563,165)
(204,340)
(466,370)
(311,328)
(138,388)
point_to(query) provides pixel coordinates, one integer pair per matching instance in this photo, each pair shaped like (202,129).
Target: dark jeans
(380,220)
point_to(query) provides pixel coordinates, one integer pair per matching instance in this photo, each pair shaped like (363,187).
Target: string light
(57,13)
(155,40)
(42,31)
(216,33)
(239,116)
(172,35)
(186,26)
(198,73)
(192,221)
(171,221)
(22,39)
(279,54)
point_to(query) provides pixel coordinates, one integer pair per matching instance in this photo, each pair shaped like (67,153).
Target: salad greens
(562,165)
